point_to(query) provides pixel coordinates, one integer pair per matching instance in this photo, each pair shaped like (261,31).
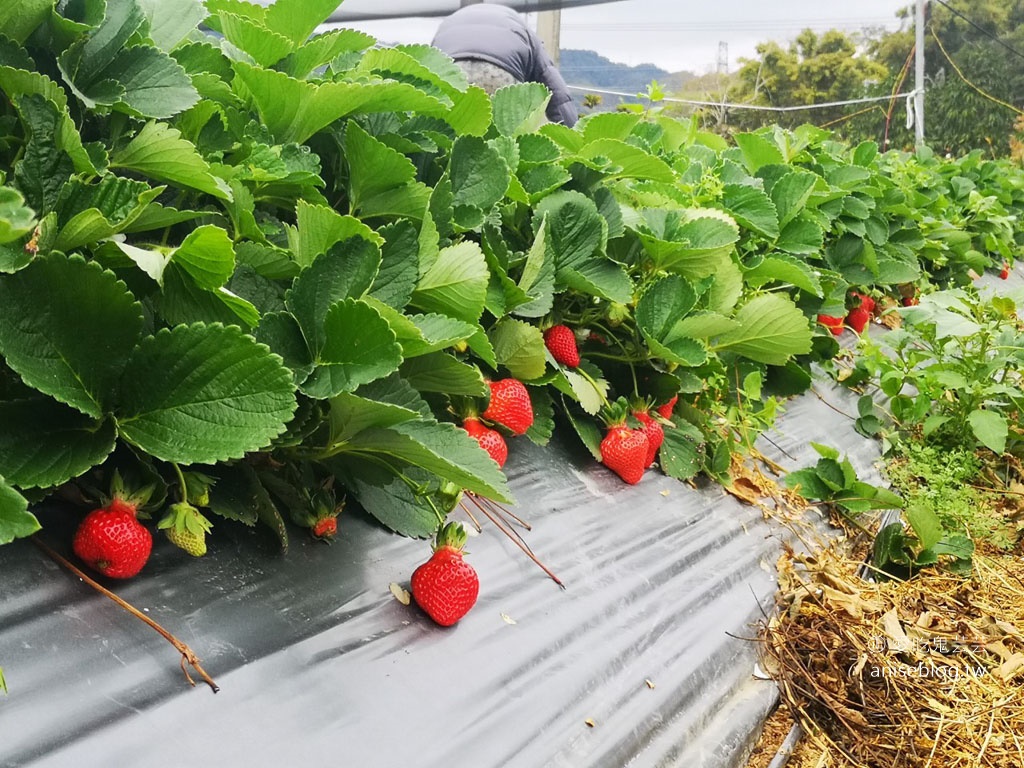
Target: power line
(755,107)
(748,25)
(978,27)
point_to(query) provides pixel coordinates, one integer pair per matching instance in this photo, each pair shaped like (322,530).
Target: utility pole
(549,30)
(919,75)
(723,57)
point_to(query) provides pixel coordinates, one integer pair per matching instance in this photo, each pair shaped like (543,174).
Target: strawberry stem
(181,481)
(187,654)
(501,525)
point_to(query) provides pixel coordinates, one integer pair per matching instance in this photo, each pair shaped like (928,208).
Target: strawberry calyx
(451,537)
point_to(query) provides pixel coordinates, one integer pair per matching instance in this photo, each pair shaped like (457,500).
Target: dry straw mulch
(924,673)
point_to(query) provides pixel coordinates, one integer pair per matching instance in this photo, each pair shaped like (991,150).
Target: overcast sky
(682,34)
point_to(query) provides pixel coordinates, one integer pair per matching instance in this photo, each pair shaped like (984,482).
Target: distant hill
(589,68)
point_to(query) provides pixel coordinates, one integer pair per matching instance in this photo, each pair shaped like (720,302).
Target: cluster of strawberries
(509,407)
(857,317)
(629,451)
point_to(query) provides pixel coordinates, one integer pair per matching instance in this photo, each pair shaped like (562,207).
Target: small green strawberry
(446,586)
(186,528)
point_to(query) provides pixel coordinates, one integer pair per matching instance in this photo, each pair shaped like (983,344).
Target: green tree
(814,69)
(967,50)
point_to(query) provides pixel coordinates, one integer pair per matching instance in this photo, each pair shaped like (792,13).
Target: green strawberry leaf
(15,519)
(17,83)
(159,152)
(44,167)
(784,269)
(619,160)
(376,171)
(752,209)
(44,443)
(18,20)
(202,394)
(519,346)
(102,69)
(293,110)
(790,194)
(440,372)
(682,453)
(441,448)
(757,151)
(297,19)
(399,265)
(772,329)
(264,46)
(520,108)
(67,328)
(389,498)
(16,220)
(207,255)
(358,347)
(171,21)
(346,271)
(92,212)
(456,283)
(237,493)
(319,227)
(324,48)
(663,304)
(352,413)
(478,174)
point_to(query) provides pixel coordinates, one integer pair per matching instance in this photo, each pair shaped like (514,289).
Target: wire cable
(963,77)
(754,107)
(978,27)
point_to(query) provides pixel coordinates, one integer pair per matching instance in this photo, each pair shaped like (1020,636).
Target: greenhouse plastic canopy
(367,10)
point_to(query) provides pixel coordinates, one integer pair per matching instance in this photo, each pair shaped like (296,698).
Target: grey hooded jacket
(497,34)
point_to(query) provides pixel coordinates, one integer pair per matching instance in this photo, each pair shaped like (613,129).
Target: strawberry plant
(280,261)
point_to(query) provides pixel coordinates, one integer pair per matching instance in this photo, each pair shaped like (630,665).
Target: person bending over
(495,48)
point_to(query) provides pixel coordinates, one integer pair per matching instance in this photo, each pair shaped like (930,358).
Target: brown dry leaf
(1011,667)
(854,605)
(898,640)
(401,594)
(649,684)
(745,490)
(590,723)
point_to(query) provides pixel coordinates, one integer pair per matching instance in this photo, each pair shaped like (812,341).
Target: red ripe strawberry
(655,434)
(858,318)
(490,440)
(909,301)
(561,343)
(834,324)
(665,409)
(510,405)
(446,586)
(112,541)
(863,300)
(1004,273)
(624,452)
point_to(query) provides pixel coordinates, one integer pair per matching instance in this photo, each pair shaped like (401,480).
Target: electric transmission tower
(723,57)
